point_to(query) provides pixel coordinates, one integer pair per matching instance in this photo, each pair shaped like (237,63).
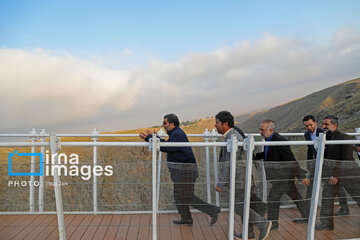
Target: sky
(71,66)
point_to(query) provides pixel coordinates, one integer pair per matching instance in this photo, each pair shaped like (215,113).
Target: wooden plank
(113,228)
(51,227)
(134,227)
(175,231)
(164,227)
(123,228)
(14,225)
(68,219)
(80,230)
(30,227)
(144,228)
(90,231)
(196,229)
(206,229)
(75,223)
(223,223)
(104,225)
(38,230)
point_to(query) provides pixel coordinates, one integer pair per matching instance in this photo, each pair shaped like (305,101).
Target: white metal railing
(154,146)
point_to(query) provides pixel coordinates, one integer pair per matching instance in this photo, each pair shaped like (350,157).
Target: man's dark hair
(334,120)
(225,116)
(172,118)
(271,124)
(308,117)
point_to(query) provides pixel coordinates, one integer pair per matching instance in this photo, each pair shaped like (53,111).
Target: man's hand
(218,189)
(306,181)
(143,135)
(333,180)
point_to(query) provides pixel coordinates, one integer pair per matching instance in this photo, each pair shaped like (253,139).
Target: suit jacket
(289,169)
(180,160)
(339,152)
(311,152)
(224,163)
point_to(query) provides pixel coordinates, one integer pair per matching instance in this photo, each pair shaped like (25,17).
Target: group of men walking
(281,169)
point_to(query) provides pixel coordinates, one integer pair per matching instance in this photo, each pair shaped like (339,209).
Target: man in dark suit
(183,172)
(281,168)
(343,170)
(312,132)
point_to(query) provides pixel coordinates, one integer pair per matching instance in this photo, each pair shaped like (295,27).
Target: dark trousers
(279,188)
(341,196)
(185,197)
(327,203)
(257,210)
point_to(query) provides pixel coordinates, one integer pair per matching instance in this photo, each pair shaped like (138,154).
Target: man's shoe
(264,233)
(182,221)
(274,225)
(342,212)
(323,226)
(238,236)
(300,220)
(214,216)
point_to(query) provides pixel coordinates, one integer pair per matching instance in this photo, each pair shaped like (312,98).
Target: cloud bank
(60,92)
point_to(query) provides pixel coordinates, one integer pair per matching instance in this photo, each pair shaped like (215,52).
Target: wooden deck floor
(139,227)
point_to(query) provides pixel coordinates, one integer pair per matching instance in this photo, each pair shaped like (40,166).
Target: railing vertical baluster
(57,187)
(320,147)
(217,198)
(154,146)
(207,156)
(249,165)
(232,146)
(32,170)
(95,200)
(41,178)
(160,133)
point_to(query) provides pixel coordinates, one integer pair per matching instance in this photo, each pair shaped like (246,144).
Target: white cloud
(59,91)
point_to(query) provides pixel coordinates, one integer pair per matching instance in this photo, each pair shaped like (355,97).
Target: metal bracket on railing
(246,142)
(207,135)
(94,135)
(42,136)
(33,132)
(157,143)
(214,135)
(317,143)
(161,133)
(58,144)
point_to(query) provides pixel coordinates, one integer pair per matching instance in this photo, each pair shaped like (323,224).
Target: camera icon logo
(15,153)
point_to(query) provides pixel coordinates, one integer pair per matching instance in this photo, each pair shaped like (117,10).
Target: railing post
(54,147)
(320,147)
(32,170)
(232,146)
(214,138)
(249,141)
(94,137)
(41,178)
(263,175)
(160,133)
(207,156)
(154,147)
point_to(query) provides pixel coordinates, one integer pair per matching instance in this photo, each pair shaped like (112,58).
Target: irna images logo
(68,166)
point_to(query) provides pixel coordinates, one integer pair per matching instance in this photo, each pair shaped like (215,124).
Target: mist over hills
(341,100)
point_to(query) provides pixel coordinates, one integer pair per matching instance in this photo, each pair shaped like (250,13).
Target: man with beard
(183,172)
(339,169)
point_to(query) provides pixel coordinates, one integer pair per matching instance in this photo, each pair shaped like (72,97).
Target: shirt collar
(227,132)
(270,137)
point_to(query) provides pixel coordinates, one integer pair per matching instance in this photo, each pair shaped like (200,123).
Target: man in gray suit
(225,125)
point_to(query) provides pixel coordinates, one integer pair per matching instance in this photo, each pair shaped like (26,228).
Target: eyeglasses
(261,129)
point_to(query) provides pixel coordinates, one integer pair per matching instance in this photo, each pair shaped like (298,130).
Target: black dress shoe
(342,212)
(300,220)
(323,226)
(183,221)
(214,216)
(237,236)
